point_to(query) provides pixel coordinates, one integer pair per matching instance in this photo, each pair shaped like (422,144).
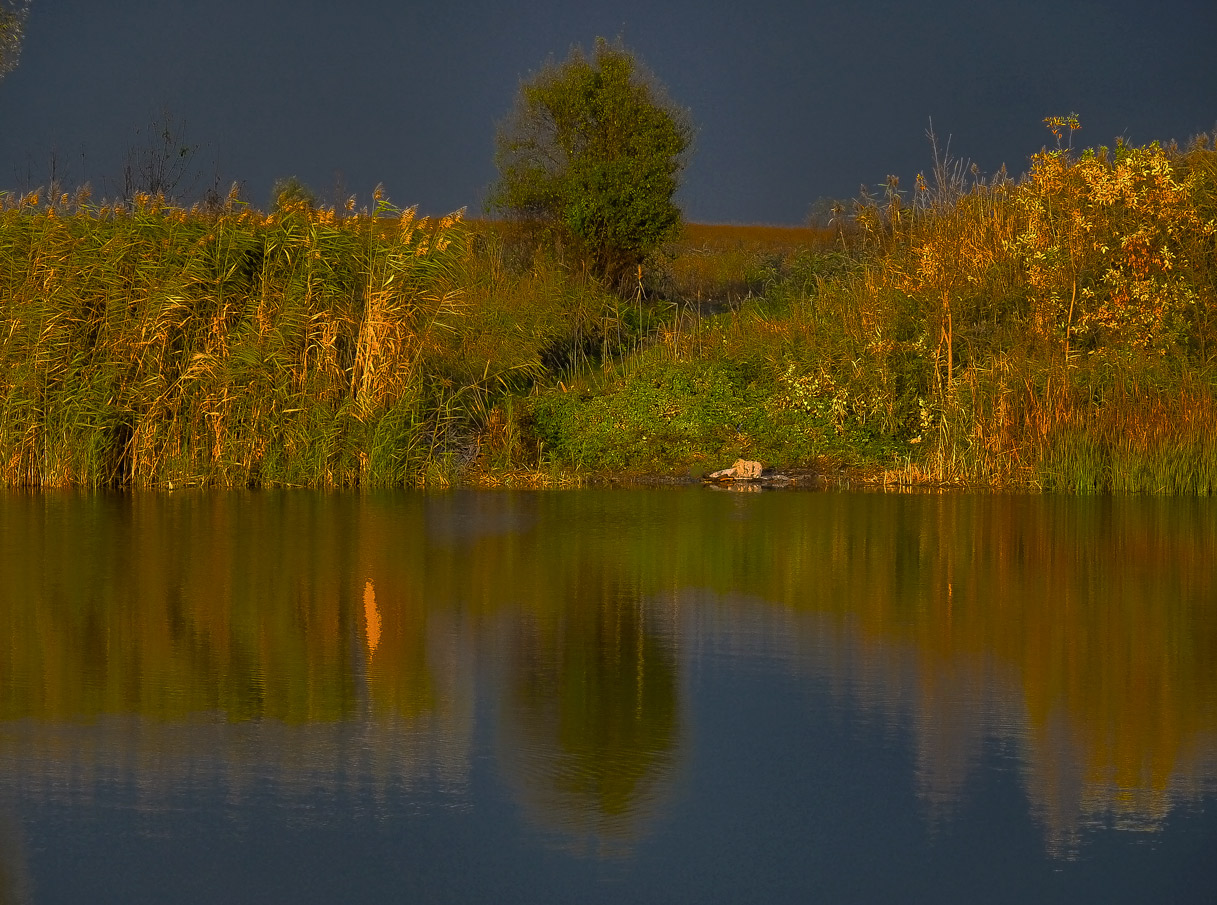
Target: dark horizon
(792,103)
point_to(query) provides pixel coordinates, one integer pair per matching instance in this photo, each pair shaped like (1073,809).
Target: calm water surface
(653,696)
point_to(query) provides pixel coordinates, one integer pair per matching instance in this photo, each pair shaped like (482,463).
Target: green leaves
(594,151)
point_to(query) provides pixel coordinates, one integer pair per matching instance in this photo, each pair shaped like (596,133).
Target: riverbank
(1056,332)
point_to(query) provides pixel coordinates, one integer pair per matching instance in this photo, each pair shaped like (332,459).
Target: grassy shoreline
(1058,333)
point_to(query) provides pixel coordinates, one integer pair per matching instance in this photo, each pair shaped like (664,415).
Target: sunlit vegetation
(1060,327)
(1054,332)
(153,346)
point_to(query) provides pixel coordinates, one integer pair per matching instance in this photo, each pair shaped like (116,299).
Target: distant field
(761,237)
(719,264)
(722,263)
(757,236)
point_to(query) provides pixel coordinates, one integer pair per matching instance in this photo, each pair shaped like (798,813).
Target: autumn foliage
(1056,330)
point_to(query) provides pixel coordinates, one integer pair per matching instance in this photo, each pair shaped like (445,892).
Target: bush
(292,194)
(592,155)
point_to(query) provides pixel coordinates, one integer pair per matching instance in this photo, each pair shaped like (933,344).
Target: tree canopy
(13,14)
(593,152)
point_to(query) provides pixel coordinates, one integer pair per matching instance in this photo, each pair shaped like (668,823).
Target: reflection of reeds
(1081,629)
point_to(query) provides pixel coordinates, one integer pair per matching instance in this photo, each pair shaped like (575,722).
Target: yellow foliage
(1104,244)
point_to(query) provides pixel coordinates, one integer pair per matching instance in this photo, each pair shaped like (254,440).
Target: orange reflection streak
(371,617)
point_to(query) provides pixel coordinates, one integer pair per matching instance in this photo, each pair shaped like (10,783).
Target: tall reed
(149,344)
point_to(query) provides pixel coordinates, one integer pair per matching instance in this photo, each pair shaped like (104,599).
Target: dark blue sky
(792,101)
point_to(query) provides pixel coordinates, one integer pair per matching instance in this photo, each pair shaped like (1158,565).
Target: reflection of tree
(591,719)
(1082,632)
(399,669)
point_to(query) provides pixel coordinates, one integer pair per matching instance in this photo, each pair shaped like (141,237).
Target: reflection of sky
(809,752)
(815,728)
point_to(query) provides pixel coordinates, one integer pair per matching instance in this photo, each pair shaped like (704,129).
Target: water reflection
(14,881)
(315,643)
(592,715)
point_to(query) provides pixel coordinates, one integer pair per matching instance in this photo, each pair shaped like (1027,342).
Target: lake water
(668,696)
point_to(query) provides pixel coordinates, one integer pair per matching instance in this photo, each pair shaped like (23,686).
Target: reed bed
(147,345)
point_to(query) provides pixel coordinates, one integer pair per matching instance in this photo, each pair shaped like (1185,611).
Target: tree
(161,162)
(593,153)
(13,14)
(290,193)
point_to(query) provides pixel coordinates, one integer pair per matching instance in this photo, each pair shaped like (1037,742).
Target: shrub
(290,193)
(1106,244)
(592,154)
